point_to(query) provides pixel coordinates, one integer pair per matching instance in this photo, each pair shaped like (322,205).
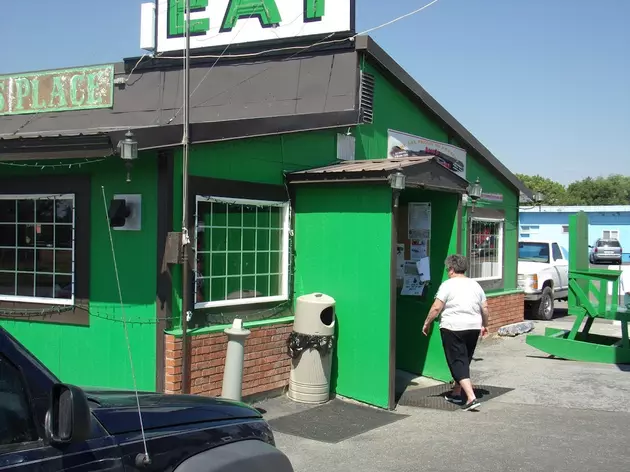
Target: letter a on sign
(265,10)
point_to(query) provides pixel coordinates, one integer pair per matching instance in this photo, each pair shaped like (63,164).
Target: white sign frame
(338,17)
(411,144)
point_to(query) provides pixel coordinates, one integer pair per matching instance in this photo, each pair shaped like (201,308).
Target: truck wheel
(543,309)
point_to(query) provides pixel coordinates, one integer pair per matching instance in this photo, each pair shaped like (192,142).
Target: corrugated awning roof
(420,172)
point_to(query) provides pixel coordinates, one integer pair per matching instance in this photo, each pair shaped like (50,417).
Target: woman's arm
(435,310)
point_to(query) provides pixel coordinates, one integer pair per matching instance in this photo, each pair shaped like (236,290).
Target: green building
(290,187)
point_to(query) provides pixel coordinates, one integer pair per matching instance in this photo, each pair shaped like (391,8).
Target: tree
(611,190)
(554,193)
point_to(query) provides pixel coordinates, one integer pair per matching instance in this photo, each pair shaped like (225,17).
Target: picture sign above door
(231,22)
(57,90)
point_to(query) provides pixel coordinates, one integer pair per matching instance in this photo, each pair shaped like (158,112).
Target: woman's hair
(457,262)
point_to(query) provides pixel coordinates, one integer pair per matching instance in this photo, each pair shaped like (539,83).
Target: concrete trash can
(310,347)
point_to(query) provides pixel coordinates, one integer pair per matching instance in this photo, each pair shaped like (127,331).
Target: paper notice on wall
(419,249)
(424,269)
(400,261)
(419,220)
(412,286)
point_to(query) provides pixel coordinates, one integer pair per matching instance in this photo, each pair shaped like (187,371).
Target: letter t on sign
(177,17)
(266,11)
(314,10)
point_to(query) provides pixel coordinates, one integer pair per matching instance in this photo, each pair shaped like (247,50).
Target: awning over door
(420,172)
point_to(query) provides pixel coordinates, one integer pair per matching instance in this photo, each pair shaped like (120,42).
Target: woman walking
(464,318)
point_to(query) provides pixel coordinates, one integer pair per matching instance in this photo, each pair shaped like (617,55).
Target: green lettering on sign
(35,103)
(57,96)
(77,97)
(177,17)
(23,90)
(266,11)
(314,9)
(71,89)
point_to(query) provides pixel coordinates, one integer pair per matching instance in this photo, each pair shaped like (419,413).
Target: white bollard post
(234,358)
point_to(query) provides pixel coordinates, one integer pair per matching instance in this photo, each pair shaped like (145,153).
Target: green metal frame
(588,299)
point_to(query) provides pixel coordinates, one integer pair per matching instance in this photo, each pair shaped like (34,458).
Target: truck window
(557,253)
(534,252)
(16,425)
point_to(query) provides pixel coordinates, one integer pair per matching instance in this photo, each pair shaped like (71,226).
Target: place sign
(57,90)
(222,22)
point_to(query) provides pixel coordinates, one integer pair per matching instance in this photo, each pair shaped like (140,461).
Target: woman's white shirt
(462,298)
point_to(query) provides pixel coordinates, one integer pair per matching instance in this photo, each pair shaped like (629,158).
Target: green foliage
(611,190)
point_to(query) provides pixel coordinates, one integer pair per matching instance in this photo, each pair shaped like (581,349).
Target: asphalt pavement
(561,416)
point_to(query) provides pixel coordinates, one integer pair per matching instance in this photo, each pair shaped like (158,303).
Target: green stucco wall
(257,160)
(96,355)
(394,110)
(343,249)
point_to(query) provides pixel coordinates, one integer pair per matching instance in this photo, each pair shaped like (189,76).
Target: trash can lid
(317,298)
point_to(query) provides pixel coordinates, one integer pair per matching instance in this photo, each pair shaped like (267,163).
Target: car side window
(557,253)
(16,423)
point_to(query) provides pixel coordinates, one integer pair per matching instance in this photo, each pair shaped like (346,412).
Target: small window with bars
(486,249)
(37,246)
(242,252)
(610,234)
(565,229)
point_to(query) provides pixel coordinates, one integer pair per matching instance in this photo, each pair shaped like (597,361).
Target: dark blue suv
(48,426)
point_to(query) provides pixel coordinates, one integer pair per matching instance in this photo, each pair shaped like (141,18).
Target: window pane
(45,260)
(7,283)
(219,239)
(263,217)
(44,210)
(26,211)
(262,285)
(7,259)
(217,289)
(7,234)
(275,285)
(275,262)
(17,426)
(275,217)
(249,239)
(485,249)
(249,217)
(26,259)
(249,287)
(204,211)
(234,239)
(276,239)
(7,211)
(262,241)
(234,264)
(63,236)
(235,216)
(262,263)
(249,263)
(219,260)
(64,212)
(44,286)
(234,288)
(63,261)
(63,286)
(25,285)
(219,215)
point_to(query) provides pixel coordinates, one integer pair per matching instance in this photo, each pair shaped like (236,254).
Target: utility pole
(186,240)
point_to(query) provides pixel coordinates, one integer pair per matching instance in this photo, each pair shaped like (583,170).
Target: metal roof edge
(367,44)
(575,209)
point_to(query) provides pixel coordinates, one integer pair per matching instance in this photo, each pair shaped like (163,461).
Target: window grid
(38,226)
(261,276)
(486,254)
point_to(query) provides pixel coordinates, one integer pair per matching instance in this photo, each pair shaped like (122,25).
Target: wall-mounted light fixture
(397,182)
(128,151)
(474,193)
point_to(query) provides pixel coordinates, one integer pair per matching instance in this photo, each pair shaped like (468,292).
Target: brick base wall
(504,310)
(266,368)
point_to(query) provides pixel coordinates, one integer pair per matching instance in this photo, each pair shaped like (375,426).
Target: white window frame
(286,223)
(611,231)
(46,300)
(501,222)
(530,229)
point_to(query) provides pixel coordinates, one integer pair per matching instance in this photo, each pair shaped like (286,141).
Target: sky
(543,84)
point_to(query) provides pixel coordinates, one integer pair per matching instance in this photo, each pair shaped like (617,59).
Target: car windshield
(608,243)
(534,252)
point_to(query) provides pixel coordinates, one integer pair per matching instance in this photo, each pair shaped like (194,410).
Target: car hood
(118,410)
(529,267)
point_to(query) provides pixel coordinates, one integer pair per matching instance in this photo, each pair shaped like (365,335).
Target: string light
(37,165)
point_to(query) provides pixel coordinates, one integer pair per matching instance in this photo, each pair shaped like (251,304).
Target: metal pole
(234,358)
(185,217)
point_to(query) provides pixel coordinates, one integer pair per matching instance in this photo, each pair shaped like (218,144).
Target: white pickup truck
(543,274)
